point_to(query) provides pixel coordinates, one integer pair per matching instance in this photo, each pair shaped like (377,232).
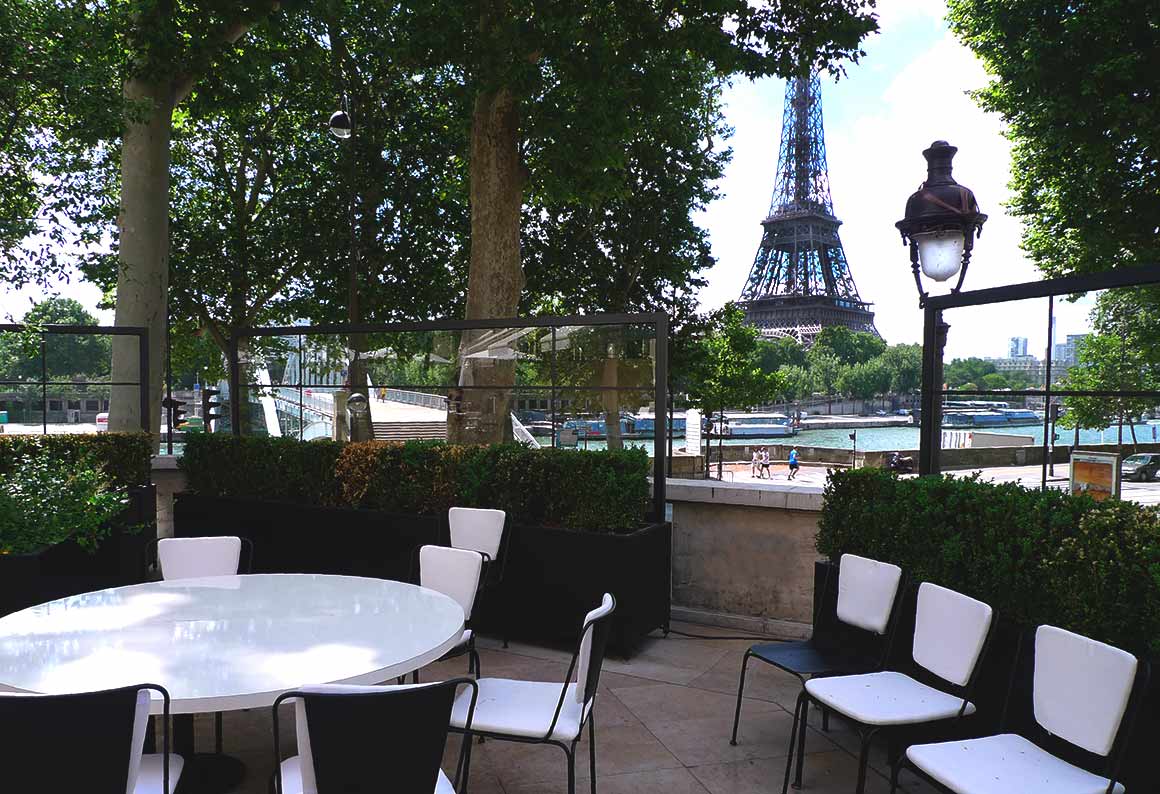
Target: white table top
(228,642)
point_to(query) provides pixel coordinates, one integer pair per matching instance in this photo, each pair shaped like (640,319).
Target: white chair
(855,637)
(1082,693)
(189,558)
(538,712)
(193,558)
(372,738)
(481,529)
(950,636)
(455,573)
(88,741)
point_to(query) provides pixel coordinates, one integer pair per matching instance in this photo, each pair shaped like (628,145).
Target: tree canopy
(1077,85)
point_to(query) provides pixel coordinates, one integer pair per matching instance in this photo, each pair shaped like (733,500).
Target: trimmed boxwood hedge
(124,457)
(1035,556)
(605,491)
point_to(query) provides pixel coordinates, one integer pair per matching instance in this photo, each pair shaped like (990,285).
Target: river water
(886,439)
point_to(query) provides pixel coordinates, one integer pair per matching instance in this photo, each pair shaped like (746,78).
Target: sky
(908,90)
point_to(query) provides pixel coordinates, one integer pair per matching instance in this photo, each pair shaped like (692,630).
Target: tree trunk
(611,400)
(143,276)
(496,277)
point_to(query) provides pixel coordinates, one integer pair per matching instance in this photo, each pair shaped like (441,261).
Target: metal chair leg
(825,720)
(792,743)
(217,733)
(592,749)
(571,769)
(740,690)
(863,761)
(415,677)
(895,769)
(473,663)
(801,755)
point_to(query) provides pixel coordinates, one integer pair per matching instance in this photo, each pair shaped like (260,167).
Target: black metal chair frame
(822,608)
(153,573)
(1111,762)
(867,732)
(486,584)
(599,643)
(463,765)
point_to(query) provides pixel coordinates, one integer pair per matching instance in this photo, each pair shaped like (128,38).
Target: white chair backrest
(1081,688)
(476,528)
(187,558)
(453,572)
(950,630)
(585,660)
(866,592)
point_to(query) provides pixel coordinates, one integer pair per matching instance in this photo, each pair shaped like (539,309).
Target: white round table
(228,642)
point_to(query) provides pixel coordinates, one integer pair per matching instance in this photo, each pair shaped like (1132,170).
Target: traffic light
(210,408)
(176,412)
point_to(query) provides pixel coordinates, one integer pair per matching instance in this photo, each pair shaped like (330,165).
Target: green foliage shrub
(604,491)
(123,457)
(46,500)
(1035,556)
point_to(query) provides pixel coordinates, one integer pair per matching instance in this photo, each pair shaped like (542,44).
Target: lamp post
(941,223)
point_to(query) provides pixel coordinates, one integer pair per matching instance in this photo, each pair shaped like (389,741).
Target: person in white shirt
(755,465)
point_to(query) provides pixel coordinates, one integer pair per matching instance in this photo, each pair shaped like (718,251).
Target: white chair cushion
(151,774)
(866,592)
(606,605)
(1001,765)
(188,558)
(292,778)
(885,698)
(949,632)
(1081,688)
(476,528)
(453,572)
(520,708)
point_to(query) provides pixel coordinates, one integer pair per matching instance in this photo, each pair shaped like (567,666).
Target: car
(1142,467)
(102,421)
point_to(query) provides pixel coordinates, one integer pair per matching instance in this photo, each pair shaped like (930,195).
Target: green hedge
(603,491)
(124,457)
(1035,556)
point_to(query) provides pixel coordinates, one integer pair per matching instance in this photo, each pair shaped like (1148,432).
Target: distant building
(1067,353)
(1017,346)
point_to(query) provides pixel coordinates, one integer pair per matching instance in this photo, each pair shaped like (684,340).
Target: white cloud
(875,163)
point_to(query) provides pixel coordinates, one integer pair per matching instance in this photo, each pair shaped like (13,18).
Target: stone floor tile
(660,781)
(762,681)
(662,703)
(825,773)
(706,741)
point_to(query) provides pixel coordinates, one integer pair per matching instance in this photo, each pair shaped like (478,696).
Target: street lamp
(941,223)
(341,126)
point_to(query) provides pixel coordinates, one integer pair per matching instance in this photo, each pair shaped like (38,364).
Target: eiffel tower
(800,281)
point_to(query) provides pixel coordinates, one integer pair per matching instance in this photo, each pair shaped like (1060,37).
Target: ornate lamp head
(941,223)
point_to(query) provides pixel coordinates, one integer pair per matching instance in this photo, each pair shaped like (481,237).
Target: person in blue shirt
(793,463)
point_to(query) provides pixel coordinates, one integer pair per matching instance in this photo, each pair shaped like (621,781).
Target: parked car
(102,421)
(1142,467)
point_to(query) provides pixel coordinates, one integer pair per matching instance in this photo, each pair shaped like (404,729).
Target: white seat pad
(151,778)
(292,778)
(886,698)
(520,708)
(1003,764)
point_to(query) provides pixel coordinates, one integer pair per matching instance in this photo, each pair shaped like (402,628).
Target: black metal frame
(866,733)
(1113,759)
(873,665)
(935,336)
(142,334)
(463,766)
(659,321)
(588,714)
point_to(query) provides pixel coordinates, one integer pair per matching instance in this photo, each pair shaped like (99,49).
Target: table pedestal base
(210,773)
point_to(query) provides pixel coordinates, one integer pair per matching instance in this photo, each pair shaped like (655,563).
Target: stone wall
(743,554)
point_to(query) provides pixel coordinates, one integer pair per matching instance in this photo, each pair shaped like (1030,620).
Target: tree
(848,346)
(777,353)
(967,372)
(730,375)
(825,370)
(905,365)
(1086,174)
(554,86)
(864,381)
(795,382)
(67,356)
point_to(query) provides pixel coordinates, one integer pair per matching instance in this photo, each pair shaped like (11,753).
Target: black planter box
(554,577)
(294,538)
(66,569)
(551,577)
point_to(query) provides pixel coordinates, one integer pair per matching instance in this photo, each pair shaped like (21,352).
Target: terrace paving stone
(663,720)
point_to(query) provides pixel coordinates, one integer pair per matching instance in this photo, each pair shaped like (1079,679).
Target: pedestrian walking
(755,466)
(793,464)
(765,472)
